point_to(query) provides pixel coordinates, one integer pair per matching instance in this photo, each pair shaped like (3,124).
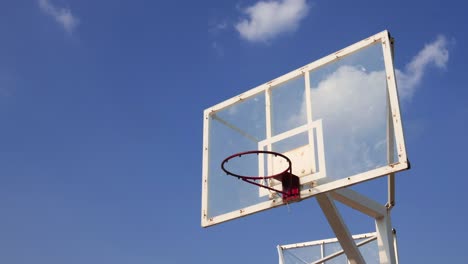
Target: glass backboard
(337,119)
(329,251)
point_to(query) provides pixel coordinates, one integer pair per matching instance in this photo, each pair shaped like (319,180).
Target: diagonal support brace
(340,229)
(359,202)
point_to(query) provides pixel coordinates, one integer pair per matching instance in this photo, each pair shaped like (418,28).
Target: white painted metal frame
(400,164)
(369,237)
(381,214)
(340,229)
(390,143)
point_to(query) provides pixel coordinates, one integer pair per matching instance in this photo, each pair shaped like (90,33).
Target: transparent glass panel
(302,255)
(234,129)
(350,97)
(370,252)
(335,130)
(312,253)
(288,105)
(290,143)
(334,247)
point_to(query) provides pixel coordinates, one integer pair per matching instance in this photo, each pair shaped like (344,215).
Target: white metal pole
(385,239)
(395,245)
(280,254)
(340,229)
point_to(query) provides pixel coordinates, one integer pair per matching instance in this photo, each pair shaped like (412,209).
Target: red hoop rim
(288,170)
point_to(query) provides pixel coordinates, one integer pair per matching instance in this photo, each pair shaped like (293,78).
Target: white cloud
(350,97)
(62,16)
(351,101)
(435,53)
(268,19)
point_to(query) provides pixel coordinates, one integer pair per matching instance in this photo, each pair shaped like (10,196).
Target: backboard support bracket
(340,229)
(365,205)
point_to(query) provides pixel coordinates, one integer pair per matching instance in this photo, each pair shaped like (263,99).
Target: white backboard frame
(395,122)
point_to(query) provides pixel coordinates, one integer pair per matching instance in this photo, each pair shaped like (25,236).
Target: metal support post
(340,229)
(385,240)
(280,254)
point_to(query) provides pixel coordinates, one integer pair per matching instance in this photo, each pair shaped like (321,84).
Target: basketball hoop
(289,181)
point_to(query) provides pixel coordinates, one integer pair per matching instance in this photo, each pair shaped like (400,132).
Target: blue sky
(101,110)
